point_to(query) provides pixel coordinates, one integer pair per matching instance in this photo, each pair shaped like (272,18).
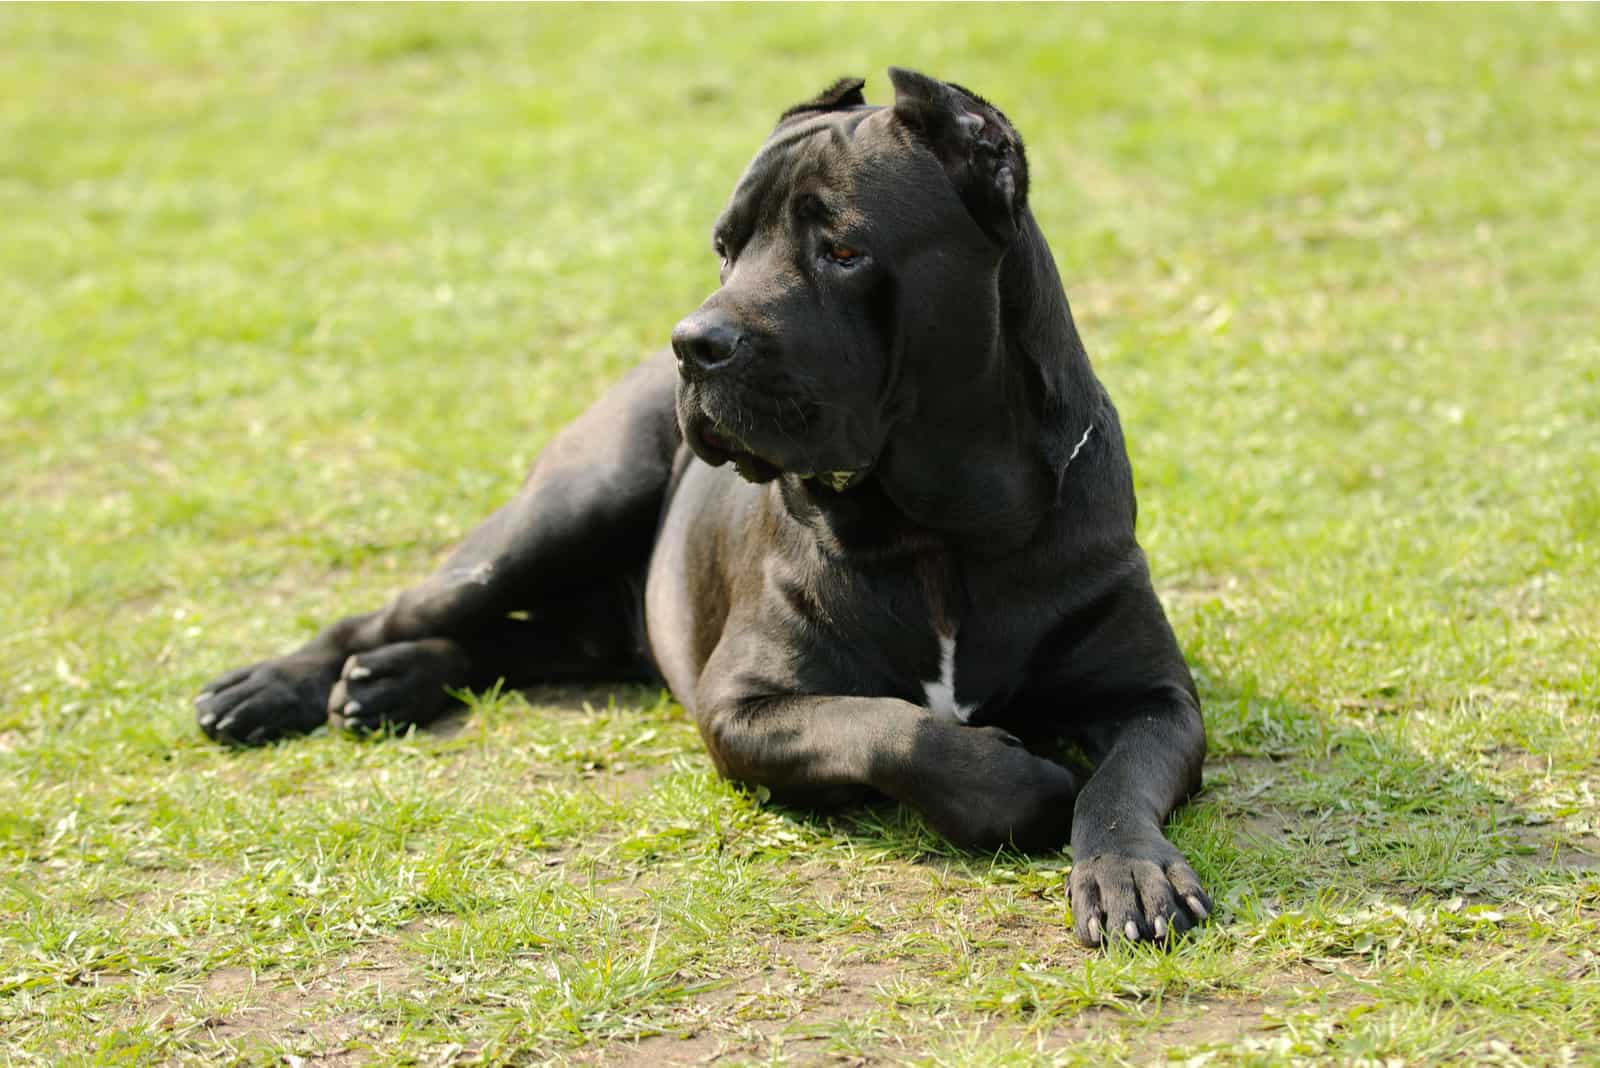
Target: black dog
(930,551)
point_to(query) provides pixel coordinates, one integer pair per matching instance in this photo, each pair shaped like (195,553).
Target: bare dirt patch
(322,1019)
(1551,847)
(162,887)
(788,1003)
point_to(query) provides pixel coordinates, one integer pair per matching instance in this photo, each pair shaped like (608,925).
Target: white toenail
(1131,929)
(1196,907)
(1161,927)
(352,707)
(358,672)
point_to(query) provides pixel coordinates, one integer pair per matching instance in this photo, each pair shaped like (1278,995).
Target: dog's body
(930,553)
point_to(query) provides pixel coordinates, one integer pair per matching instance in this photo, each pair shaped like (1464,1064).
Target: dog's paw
(981,788)
(1141,894)
(397,685)
(257,704)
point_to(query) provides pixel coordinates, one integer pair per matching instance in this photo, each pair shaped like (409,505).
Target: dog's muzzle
(707,345)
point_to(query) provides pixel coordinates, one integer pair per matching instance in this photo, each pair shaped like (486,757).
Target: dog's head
(860,254)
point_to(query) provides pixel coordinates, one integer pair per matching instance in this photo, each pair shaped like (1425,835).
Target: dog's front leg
(1127,879)
(579,530)
(976,785)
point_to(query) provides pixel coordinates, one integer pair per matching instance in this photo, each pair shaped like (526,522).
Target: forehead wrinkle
(840,125)
(793,160)
(810,122)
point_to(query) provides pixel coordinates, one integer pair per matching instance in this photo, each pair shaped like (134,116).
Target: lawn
(292,296)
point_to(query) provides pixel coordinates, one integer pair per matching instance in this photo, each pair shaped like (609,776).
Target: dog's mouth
(717,445)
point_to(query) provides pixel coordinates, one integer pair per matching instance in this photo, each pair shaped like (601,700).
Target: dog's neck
(984,463)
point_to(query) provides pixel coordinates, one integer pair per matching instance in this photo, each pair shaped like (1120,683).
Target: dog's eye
(721,250)
(843,255)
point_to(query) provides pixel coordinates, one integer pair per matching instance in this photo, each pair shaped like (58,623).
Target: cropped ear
(981,151)
(844,93)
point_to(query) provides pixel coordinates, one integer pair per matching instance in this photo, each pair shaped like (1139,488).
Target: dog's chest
(953,635)
(939,694)
(972,671)
(947,689)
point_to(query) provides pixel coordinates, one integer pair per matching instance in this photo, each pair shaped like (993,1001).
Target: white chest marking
(941,693)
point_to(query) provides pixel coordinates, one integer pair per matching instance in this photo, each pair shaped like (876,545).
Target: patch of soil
(1554,848)
(622,783)
(1267,823)
(1226,590)
(165,887)
(787,1005)
(1214,1022)
(233,1009)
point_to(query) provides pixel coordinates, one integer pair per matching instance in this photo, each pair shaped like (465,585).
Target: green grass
(292,297)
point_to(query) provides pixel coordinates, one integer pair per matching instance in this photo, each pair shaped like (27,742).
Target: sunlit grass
(292,296)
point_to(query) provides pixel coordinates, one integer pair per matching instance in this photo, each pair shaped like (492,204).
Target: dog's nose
(704,344)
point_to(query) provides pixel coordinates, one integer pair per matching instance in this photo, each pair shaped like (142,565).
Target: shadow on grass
(1301,810)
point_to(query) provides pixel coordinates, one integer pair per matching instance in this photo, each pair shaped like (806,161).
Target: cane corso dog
(871,519)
